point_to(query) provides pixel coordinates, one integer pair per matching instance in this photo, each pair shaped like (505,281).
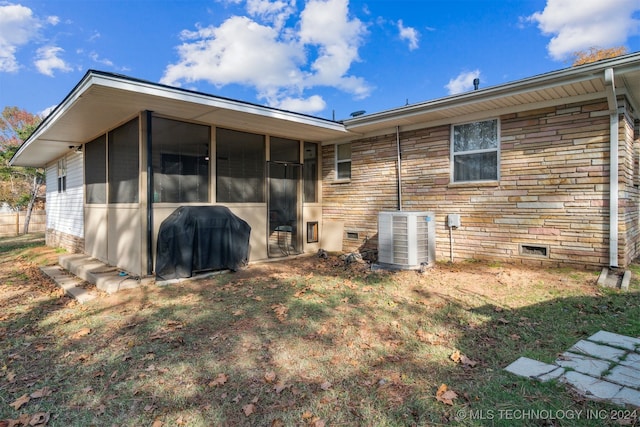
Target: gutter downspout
(612,101)
(399,168)
(149,196)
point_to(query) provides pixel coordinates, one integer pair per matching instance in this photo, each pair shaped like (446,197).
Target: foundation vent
(406,240)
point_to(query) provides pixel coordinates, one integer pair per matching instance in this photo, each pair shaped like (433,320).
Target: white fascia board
(210,101)
(630,63)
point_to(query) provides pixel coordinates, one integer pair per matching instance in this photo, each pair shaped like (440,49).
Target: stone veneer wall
(58,239)
(553,189)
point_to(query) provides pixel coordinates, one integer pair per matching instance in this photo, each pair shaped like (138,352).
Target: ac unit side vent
(406,240)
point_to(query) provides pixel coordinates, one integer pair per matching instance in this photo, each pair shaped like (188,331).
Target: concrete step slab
(72,285)
(531,368)
(598,351)
(627,397)
(591,387)
(615,340)
(584,364)
(625,375)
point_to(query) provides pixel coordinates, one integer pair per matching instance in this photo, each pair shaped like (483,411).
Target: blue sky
(327,58)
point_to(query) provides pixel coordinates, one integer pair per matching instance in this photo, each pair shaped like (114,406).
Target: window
(95,170)
(180,154)
(284,150)
(240,161)
(343,161)
(475,151)
(62,175)
(124,167)
(310,172)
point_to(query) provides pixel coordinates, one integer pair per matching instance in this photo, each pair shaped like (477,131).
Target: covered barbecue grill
(195,239)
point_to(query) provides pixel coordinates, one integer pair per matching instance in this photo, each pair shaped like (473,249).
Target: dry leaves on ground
(445,395)
(462,359)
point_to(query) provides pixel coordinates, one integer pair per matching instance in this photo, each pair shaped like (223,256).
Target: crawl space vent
(406,240)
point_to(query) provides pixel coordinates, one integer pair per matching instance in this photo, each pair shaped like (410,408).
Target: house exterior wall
(629,137)
(552,191)
(65,220)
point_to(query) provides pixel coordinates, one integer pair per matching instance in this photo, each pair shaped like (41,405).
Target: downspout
(612,101)
(149,196)
(399,168)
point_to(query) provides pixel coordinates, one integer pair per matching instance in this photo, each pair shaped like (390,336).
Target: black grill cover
(201,238)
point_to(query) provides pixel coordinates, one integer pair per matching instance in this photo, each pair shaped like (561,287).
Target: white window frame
(496,149)
(62,175)
(342,161)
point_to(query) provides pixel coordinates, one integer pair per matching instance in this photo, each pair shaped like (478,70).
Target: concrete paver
(605,366)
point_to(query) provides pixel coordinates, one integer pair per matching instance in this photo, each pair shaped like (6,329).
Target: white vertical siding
(65,210)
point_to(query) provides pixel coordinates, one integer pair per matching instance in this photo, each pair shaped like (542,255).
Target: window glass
(240,163)
(343,161)
(310,172)
(180,154)
(284,150)
(124,164)
(475,151)
(62,175)
(95,175)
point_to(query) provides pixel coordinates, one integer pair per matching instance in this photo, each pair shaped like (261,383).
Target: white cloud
(409,34)
(44,113)
(18,27)
(309,105)
(104,61)
(580,24)
(275,12)
(48,60)
(53,20)
(280,59)
(463,82)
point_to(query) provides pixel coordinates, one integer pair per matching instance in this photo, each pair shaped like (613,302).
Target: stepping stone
(584,364)
(615,340)
(628,396)
(591,387)
(632,360)
(597,350)
(530,368)
(625,375)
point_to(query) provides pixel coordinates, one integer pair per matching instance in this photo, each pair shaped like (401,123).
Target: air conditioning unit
(406,240)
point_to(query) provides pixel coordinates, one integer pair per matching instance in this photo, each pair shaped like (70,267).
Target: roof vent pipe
(476,83)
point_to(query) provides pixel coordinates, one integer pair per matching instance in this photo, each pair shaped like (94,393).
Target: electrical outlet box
(453,220)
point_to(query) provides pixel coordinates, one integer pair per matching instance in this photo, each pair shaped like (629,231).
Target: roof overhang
(101,101)
(566,86)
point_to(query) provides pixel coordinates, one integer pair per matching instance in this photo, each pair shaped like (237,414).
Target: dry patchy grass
(302,342)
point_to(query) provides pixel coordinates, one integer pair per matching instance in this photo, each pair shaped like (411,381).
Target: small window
(62,175)
(474,150)
(343,161)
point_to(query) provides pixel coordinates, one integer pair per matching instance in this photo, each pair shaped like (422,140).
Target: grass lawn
(307,342)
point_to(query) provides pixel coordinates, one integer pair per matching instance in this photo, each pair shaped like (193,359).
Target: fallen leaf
(306,415)
(249,409)
(238,312)
(325,385)
(157,423)
(39,419)
(319,423)
(43,392)
(445,395)
(280,386)
(81,333)
(11,377)
(461,358)
(270,376)
(277,423)
(220,380)
(21,401)
(281,311)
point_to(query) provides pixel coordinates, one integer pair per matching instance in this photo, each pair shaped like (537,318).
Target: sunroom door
(285,209)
